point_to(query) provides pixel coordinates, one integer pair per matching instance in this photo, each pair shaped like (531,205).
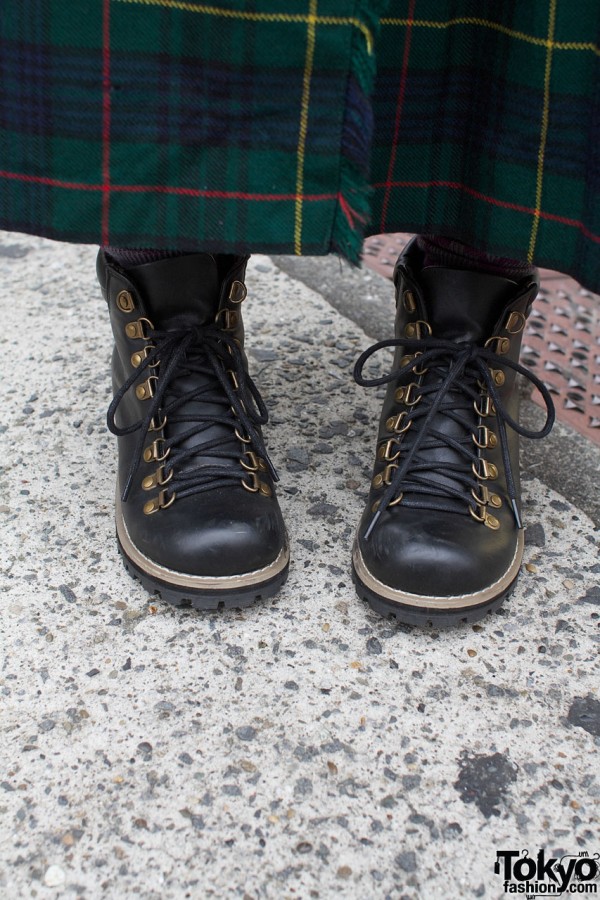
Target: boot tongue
(464,305)
(180,291)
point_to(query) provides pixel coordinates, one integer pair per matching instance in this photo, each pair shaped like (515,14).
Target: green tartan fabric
(298,127)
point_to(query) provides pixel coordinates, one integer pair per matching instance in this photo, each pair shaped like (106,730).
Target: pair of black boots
(441,539)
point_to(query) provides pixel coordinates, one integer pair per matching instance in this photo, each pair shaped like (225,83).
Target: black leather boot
(196,513)
(441,539)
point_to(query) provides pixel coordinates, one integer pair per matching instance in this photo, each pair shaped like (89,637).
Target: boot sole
(200,591)
(415,609)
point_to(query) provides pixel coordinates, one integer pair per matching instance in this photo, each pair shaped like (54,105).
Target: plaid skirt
(300,126)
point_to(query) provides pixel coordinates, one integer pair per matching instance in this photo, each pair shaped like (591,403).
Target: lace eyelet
(484,470)
(484,438)
(227,319)
(384,477)
(157,479)
(157,426)
(237,292)
(145,390)
(487,407)
(125,301)
(414,330)
(135,330)
(385,451)
(500,344)
(153,452)
(409,302)
(405,393)
(251,466)
(256,485)
(478,514)
(394,425)
(515,323)
(157,503)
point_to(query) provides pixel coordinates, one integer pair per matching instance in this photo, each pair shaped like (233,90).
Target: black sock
(442,251)
(128,257)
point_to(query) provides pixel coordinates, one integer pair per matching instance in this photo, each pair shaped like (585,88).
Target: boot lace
(456,374)
(224,388)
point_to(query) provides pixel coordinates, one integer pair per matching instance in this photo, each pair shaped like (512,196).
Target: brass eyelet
(487,407)
(422,370)
(386,450)
(397,499)
(237,292)
(409,358)
(138,357)
(480,494)
(243,438)
(498,377)
(154,452)
(157,426)
(233,378)
(484,470)
(125,301)
(157,479)
(483,497)
(160,502)
(515,323)
(482,515)
(230,319)
(145,390)
(405,393)
(408,299)
(502,344)
(251,466)
(385,477)
(256,485)
(394,423)
(478,514)
(416,329)
(135,330)
(484,438)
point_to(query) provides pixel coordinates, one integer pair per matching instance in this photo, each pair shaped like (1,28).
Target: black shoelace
(208,352)
(450,389)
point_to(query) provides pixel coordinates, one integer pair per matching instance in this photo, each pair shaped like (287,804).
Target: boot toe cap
(218,534)
(441,557)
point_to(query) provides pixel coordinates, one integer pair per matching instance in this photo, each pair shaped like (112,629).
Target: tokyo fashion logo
(547,876)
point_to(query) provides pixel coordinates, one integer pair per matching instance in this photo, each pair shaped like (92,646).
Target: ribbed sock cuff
(442,251)
(128,257)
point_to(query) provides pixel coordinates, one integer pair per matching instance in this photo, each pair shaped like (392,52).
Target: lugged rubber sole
(412,609)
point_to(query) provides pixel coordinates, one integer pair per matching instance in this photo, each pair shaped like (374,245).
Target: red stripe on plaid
(399,107)
(162,189)
(105,120)
(455,185)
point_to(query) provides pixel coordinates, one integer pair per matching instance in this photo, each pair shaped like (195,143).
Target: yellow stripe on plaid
(259,17)
(308,68)
(544,133)
(495,26)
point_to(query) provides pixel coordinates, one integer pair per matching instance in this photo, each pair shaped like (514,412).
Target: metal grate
(561,342)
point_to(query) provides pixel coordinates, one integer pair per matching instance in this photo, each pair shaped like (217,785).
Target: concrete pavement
(304,748)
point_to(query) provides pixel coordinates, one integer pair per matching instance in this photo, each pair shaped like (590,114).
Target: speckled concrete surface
(305,747)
